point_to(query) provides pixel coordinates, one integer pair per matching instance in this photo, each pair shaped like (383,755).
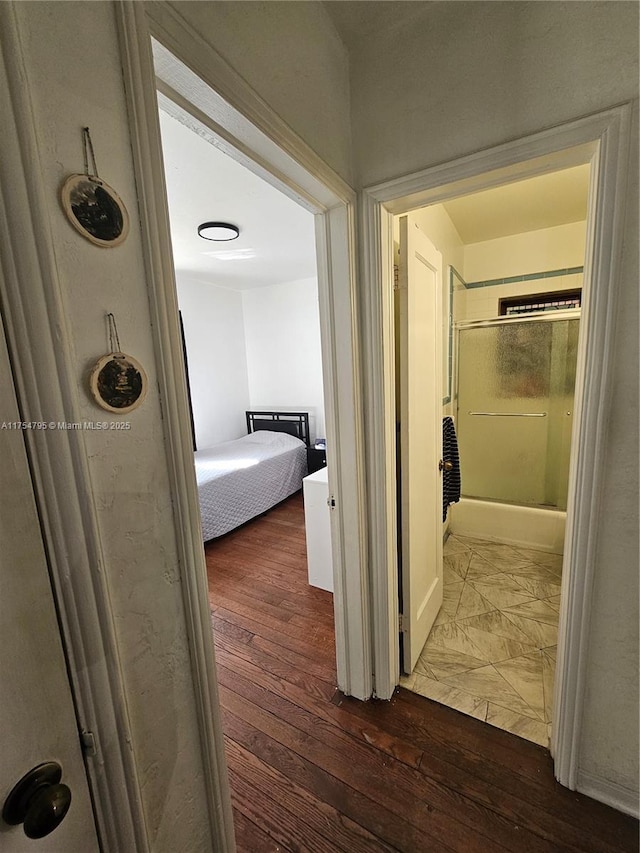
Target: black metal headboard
(295,423)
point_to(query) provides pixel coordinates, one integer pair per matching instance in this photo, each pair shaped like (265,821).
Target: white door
(419,368)
(37,720)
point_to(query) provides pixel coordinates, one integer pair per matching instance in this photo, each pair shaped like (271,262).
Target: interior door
(419,389)
(37,719)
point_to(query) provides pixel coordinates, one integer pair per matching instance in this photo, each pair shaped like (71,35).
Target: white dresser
(318,529)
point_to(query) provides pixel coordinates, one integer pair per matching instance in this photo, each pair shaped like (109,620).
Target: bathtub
(526,526)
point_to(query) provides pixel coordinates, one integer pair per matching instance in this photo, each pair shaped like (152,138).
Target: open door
(419,409)
(37,717)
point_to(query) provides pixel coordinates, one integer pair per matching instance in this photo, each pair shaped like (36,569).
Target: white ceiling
(543,202)
(276,242)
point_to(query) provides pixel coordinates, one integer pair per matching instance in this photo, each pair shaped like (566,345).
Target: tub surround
(511,524)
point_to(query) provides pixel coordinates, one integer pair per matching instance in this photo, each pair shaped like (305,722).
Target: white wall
(68,89)
(464,76)
(520,254)
(215,339)
(548,249)
(469,75)
(284,359)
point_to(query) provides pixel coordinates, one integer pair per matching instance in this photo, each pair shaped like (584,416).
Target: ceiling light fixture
(219,231)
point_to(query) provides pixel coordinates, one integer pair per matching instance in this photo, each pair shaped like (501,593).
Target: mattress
(240,479)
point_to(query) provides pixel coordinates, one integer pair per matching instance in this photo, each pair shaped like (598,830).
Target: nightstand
(316,459)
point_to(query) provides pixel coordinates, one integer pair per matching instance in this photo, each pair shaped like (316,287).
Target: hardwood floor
(312,770)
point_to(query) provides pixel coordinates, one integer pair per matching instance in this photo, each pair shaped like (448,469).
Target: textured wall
(292,57)
(75,79)
(465,76)
(610,738)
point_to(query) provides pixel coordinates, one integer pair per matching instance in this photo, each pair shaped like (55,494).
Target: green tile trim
(492,282)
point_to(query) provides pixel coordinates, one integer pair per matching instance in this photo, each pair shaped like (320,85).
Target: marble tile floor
(492,650)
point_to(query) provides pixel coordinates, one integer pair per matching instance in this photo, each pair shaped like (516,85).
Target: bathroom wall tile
(525,674)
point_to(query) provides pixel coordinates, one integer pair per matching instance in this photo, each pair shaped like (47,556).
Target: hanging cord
(114,340)
(87,146)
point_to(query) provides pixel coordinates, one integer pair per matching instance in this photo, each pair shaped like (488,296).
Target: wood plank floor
(312,770)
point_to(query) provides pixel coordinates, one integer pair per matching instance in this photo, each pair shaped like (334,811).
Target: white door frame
(208,87)
(603,141)
(44,368)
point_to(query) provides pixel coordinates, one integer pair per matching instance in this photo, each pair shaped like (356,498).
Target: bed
(238,480)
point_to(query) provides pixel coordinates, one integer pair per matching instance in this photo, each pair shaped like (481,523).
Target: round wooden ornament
(118,383)
(93,207)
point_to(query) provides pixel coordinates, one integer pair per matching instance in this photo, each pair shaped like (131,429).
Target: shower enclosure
(515,390)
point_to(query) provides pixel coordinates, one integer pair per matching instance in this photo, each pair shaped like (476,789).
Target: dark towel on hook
(451,478)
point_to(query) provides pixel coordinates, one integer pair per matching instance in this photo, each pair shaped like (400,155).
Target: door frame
(207,87)
(601,139)
(40,347)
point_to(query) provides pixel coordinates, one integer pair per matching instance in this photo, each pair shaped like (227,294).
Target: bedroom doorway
(330,202)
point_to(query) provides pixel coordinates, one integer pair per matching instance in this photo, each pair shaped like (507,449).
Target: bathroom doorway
(511,332)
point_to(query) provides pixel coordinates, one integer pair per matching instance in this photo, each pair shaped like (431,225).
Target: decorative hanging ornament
(118,382)
(93,207)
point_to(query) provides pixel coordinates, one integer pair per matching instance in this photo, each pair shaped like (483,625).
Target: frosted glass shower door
(515,404)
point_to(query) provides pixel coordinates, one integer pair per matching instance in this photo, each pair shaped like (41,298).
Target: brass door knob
(445,466)
(38,801)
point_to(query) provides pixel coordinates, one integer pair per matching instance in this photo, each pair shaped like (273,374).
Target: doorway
(509,383)
(573,144)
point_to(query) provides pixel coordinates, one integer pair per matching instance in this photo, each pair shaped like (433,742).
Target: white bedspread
(238,480)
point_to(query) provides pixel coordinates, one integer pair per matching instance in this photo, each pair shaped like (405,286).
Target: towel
(450,479)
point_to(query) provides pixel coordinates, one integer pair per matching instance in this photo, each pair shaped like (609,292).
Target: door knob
(445,466)
(38,801)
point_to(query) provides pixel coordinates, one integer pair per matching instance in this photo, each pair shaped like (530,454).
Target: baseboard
(610,793)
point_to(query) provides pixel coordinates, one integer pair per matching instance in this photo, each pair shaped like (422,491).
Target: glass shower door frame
(522,493)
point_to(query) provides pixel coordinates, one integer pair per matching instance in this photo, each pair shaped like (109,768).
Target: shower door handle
(510,414)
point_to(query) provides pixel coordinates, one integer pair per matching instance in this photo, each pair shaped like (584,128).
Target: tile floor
(492,650)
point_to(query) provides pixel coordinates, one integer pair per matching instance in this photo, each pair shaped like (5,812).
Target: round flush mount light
(221,232)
